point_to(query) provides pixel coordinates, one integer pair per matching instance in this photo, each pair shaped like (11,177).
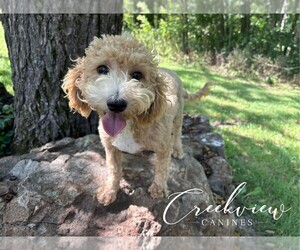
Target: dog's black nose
(116,105)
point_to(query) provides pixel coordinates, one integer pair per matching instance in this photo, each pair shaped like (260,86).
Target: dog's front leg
(159,186)
(108,192)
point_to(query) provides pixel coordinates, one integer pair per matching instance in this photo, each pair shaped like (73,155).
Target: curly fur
(154,110)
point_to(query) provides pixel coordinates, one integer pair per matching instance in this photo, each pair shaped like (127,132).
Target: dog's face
(119,79)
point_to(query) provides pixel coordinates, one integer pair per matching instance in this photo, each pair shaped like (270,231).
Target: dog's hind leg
(177,130)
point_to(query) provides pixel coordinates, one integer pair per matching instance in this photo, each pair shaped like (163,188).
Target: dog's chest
(125,142)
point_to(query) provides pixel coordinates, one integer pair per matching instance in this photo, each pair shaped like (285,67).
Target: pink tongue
(113,123)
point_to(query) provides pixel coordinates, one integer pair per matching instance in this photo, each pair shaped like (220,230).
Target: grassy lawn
(262,141)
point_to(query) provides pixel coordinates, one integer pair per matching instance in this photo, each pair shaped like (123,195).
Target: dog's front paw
(178,154)
(157,191)
(106,196)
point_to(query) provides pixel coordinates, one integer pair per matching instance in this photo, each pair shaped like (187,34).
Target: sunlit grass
(264,145)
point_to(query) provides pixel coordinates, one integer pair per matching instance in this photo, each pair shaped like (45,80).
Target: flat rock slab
(52,190)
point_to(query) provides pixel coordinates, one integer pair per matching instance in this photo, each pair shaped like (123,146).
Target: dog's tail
(199,94)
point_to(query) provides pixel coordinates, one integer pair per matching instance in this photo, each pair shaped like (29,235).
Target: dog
(140,106)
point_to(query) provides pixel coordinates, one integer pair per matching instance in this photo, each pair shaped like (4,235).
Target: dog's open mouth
(113,123)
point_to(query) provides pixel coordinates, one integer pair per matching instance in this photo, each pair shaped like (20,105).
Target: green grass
(5,71)
(263,147)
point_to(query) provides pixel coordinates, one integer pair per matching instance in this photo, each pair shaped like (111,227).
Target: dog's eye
(137,75)
(103,70)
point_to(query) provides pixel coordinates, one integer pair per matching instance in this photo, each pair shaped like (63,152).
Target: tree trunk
(185,35)
(40,49)
(295,29)
(151,16)
(295,26)
(274,19)
(246,22)
(222,32)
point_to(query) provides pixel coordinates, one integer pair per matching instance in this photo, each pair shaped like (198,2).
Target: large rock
(51,190)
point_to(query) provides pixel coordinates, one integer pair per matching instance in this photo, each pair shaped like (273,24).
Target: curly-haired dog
(140,106)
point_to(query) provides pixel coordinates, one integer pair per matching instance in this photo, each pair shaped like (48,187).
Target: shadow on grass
(228,112)
(243,90)
(203,74)
(247,91)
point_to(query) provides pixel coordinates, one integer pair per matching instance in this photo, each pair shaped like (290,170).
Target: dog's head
(119,79)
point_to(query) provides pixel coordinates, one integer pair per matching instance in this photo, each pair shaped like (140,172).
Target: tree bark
(151,16)
(41,48)
(246,21)
(295,29)
(222,32)
(185,35)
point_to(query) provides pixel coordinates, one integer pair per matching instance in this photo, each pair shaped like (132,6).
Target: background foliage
(6,128)
(262,45)
(5,71)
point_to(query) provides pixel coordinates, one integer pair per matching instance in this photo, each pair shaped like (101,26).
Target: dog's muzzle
(116,105)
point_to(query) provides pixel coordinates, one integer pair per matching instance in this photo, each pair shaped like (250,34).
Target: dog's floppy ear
(158,106)
(70,87)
